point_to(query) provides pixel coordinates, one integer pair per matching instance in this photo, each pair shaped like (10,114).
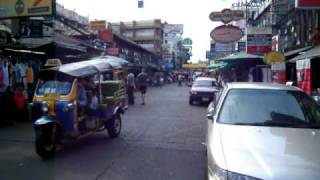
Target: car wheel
(114,127)
(191,101)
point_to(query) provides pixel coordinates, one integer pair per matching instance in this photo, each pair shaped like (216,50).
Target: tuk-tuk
(74,100)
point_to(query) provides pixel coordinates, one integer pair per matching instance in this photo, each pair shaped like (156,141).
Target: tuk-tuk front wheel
(114,126)
(45,148)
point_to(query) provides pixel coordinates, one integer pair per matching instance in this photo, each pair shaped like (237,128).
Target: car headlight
(221,174)
(193,92)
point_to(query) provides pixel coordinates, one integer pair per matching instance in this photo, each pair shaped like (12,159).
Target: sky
(194,14)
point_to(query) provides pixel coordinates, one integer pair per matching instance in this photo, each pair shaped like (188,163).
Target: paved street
(160,141)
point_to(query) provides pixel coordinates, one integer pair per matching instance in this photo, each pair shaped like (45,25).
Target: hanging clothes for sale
(5,69)
(30,75)
(17,74)
(1,77)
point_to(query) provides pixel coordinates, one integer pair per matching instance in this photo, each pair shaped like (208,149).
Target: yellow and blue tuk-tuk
(73,100)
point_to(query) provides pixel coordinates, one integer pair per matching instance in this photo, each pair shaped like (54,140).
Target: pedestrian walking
(130,88)
(142,80)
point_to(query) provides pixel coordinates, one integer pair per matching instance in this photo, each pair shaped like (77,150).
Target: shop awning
(68,42)
(242,56)
(314,52)
(293,52)
(219,67)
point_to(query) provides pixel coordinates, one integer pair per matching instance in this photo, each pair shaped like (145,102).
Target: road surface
(160,141)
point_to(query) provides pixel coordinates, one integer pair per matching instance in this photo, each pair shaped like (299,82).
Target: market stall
(242,67)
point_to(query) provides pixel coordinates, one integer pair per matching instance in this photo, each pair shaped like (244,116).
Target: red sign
(278,73)
(258,49)
(105,35)
(113,51)
(226,34)
(307,3)
(304,75)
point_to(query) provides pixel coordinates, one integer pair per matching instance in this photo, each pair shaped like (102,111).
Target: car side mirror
(210,116)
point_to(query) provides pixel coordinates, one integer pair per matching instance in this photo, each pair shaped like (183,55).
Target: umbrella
(241,56)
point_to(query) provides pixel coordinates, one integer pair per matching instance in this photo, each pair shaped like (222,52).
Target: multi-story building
(148,33)
(292,27)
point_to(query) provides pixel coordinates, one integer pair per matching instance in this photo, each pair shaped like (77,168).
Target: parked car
(263,131)
(203,90)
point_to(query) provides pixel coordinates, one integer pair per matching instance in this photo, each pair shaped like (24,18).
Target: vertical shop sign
(304,75)
(278,73)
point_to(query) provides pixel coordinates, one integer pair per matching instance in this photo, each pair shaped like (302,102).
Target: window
(251,106)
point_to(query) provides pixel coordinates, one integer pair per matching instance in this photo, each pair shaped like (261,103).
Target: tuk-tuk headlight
(67,107)
(45,108)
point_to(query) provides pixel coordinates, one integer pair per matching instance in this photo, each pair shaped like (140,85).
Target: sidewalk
(21,132)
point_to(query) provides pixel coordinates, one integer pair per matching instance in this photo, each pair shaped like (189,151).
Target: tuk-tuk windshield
(54,83)
(53,87)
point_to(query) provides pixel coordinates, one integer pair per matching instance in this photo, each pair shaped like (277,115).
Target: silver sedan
(263,131)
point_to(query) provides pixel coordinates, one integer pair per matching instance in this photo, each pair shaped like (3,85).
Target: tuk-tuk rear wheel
(44,148)
(114,126)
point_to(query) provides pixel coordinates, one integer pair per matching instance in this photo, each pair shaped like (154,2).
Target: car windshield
(53,87)
(204,83)
(269,108)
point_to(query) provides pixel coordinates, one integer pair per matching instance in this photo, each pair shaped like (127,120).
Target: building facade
(148,33)
(292,27)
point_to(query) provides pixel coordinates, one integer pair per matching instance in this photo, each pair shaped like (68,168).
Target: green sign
(187,42)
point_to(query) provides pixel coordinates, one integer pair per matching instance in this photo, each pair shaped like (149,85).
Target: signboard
(242,46)
(278,71)
(31,29)
(227,15)
(304,75)
(113,51)
(173,29)
(224,47)
(259,40)
(194,66)
(306,4)
(140,4)
(208,54)
(97,25)
(187,42)
(20,8)
(105,35)
(274,57)
(226,34)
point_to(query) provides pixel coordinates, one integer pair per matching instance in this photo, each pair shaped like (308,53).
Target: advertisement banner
(278,71)
(304,75)
(173,28)
(242,46)
(97,25)
(113,51)
(307,4)
(259,40)
(25,8)
(224,47)
(105,35)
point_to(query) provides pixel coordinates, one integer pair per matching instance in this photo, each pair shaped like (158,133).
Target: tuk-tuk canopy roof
(90,67)
(83,68)
(115,62)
